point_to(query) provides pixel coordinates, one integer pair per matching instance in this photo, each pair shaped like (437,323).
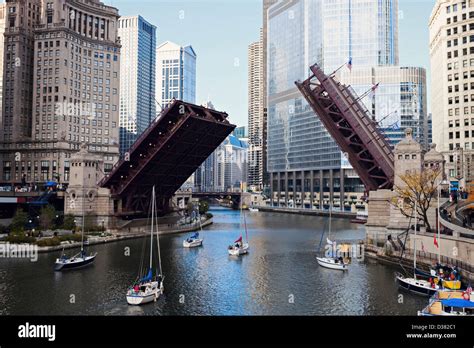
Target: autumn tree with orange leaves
(418,187)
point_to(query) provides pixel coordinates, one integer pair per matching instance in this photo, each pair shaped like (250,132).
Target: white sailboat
(194,241)
(240,247)
(415,285)
(148,287)
(332,262)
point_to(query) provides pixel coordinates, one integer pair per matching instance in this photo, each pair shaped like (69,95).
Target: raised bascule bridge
(351,126)
(169,151)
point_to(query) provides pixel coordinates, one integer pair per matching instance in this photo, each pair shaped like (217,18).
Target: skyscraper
(307,167)
(452,70)
(61,86)
(137,78)
(266,6)
(176,79)
(175,73)
(255,115)
(2,46)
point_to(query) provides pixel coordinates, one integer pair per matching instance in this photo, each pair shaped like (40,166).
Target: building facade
(175,73)
(452,72)
(306,166)
(227,166)
(398,103)
(2,45)
(256,124)
(231,164)
(137,78)
(61,87)
(266,177)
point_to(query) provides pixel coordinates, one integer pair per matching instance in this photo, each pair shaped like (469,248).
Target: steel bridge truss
(169,151)
(350,124)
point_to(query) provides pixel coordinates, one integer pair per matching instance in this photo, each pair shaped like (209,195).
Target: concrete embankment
(123,235)
(313,212)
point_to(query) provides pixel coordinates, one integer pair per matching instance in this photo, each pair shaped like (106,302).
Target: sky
(221,30)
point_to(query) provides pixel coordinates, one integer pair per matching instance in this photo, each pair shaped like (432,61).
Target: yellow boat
(449,284)
(449,303)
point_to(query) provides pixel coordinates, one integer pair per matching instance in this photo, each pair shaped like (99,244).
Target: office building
(175,73)
(256,111)
(306,166)
(60,87)
(451,28)
(137,78)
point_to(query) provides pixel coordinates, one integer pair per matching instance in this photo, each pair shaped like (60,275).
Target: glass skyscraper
(137,78)
(306,166)
(175,73)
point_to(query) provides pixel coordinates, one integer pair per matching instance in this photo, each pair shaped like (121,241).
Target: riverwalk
(116,236)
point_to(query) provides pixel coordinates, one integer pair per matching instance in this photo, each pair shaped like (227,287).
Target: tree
(19,221)
(69,222)
(418,187)
(203,207)
(47,217)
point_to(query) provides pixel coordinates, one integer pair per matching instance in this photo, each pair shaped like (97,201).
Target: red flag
(436,241)
(238,240)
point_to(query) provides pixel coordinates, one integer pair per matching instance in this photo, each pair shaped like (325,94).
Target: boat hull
(239,251)
(419,287)
(137,299)
(79,262)
(193,244)
(358,221)
(331,264)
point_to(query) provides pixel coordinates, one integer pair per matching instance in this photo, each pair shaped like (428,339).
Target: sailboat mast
(158,244)
(241,209)
(151,232)
(414,240)
(83,216)
(439,226)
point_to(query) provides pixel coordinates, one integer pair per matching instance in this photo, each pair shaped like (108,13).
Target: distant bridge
(169,151)
(234,197)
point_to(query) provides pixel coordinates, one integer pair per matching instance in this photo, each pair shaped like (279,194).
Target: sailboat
(415,285)
(336,263)
(194,240)
(148,287)
(239,247)
(76,261)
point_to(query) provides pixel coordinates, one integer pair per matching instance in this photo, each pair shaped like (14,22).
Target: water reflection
(279,276)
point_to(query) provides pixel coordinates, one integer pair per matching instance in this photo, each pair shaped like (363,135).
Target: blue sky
(221,30)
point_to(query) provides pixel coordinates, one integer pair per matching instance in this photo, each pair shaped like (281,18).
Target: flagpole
(335,71)
(414,240)
(439,225)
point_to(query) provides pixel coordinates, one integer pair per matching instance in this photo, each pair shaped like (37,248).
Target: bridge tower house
(83,197)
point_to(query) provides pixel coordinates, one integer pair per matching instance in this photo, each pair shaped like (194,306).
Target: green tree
(19,221)
(203,207)
(69,223)
(47,217)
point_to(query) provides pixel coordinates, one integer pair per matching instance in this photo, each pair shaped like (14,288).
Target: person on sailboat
(160,278)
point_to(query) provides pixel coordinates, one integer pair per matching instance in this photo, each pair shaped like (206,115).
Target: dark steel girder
(166,155)
(351,127)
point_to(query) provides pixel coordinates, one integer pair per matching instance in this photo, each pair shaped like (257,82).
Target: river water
(279,276)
